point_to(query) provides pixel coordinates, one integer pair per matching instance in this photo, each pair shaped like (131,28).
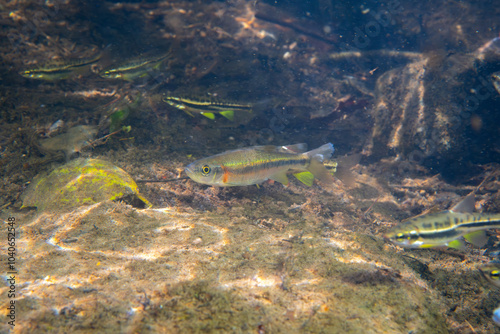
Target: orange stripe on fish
(225,176)
(254,165)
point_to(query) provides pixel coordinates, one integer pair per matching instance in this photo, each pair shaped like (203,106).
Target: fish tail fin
(316,166)
(321,153)
(319,171)
(343,172)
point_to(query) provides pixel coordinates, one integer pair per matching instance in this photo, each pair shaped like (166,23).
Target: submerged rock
(82,182)
(436,109)
(181,271)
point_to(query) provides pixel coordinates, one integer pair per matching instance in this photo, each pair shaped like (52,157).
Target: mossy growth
(82,182)
(201,307)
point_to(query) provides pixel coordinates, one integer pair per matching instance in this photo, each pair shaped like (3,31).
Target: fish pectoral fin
(157,65)
(208,115)
(188,112)
(478,238)
(319,170)
(280,177)
(306,178)
(229,114)
(457,244)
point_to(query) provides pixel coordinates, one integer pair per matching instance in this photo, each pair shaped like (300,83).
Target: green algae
(82,182)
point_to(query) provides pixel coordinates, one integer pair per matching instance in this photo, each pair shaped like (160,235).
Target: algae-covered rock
(82,182)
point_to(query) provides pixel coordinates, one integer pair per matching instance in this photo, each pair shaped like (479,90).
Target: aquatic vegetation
(121,112)
(82,182)
(254,165)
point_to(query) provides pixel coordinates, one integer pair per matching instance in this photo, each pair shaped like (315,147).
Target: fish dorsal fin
(291,149)
(297,148)
(466,205)
(266,148)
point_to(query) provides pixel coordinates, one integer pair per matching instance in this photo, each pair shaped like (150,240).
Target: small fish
(54,128)
(73,141)
(60,70)
(135,68)
(445,228)
(254,165)
(491,272)
(207,108)
(331,166)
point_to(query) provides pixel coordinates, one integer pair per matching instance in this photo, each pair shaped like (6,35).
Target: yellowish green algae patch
(82,182)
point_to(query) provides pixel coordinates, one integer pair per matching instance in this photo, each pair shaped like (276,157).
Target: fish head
(405,235)
(491,272)
(110,74)
(174,102)
(206,172)
(31,74)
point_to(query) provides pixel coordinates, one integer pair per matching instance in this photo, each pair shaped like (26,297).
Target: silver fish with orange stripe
(254,165)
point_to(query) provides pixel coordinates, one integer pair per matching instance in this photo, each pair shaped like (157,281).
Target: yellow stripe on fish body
(207,108)
(254,165)
(444,229)
(60,70)
(135,68)
(331,166)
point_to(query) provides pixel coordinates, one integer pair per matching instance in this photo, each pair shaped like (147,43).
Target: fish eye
(495,274)
(400,236)
(205,170)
